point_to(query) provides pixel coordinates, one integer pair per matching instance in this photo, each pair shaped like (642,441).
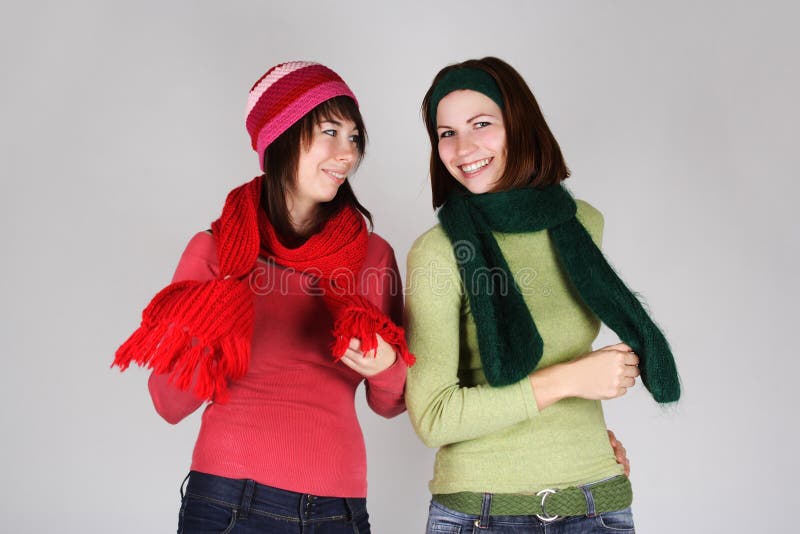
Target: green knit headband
(464,78)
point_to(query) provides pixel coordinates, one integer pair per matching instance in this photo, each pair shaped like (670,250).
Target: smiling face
(325,163)
(472,139)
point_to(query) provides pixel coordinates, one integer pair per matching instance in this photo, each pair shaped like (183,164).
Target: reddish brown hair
(281,159)
(533,156)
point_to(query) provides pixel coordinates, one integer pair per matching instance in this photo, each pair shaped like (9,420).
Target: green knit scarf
(509,343)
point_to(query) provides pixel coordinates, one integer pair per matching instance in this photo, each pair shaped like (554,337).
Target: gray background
(123,131)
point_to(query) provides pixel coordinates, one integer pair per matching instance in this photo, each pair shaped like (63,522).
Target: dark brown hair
(533,157)
(281,159)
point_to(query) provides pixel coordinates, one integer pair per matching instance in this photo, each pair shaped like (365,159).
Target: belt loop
(183,485)
(247,498)
(587,492)
(486,507)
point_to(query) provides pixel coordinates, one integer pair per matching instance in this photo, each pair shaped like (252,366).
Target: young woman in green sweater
(504,300)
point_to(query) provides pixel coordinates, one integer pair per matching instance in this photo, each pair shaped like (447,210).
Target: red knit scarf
(200,332)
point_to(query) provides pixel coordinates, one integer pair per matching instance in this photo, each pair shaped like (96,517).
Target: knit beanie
(284,94)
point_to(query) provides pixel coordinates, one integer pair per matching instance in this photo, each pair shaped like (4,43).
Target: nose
(348,150)
(464,144)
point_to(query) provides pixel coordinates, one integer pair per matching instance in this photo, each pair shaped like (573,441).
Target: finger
(623,347)
(355,354)
(612,438)
(621,391)
(628,382)
(355,343)
(631,358)
(631,370)
(350,362)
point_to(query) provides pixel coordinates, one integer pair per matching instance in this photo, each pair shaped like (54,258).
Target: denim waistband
(248,496)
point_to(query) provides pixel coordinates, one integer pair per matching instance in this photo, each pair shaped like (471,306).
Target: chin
(478,188)
(328,196)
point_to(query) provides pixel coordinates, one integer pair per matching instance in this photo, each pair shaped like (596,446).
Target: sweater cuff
(393,378)
(528,398)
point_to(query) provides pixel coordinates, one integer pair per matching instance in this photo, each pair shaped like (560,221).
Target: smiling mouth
(337,175)
(475,166)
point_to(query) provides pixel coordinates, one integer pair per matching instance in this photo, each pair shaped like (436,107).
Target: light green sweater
(495,439)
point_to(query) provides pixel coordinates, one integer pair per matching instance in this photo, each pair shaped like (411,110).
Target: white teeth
(337,175)
(472,167)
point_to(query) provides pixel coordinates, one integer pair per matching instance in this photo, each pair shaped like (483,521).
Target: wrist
(549,385)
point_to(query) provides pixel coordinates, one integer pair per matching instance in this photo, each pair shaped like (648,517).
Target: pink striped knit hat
(284,94)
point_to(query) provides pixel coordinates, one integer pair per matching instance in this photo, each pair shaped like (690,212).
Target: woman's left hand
(371,363)
(620,453)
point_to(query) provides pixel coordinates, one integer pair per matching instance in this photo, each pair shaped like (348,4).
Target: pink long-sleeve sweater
(290,422)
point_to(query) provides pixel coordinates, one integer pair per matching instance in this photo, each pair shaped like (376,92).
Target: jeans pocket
(439,526)
(201,515)
(618,521)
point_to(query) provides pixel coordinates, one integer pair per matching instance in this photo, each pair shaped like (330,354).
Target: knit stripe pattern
(200,332)
(284,94)
(509,342)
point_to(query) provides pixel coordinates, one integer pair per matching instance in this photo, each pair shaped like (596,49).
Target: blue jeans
(222,505)
(442,520)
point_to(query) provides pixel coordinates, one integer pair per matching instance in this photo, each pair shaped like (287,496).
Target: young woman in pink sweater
(274,318)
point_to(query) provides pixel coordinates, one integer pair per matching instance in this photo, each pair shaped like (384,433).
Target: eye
(482,124)
(446,133)
(355,138)
(332,133)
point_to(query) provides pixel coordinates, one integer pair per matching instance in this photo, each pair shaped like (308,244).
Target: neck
(302,216)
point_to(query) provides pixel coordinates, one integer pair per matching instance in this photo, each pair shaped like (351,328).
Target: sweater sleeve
(198,262)
(443,411)
(383,287)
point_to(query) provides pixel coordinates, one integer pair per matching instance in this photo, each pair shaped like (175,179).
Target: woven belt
(609,495)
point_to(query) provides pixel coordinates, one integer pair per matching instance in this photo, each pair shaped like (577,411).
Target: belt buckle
(544,516)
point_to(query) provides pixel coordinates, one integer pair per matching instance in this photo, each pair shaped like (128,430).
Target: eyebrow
(469,120)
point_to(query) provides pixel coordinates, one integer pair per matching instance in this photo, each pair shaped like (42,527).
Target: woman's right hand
(603,374)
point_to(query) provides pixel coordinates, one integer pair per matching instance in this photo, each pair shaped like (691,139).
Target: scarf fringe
(178,337)
(365,322)
(204,367)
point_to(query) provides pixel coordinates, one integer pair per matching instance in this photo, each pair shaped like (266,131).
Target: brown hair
(533,156)
(281,159)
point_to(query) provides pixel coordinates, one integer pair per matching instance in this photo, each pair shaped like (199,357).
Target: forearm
(550,385)
(171,403)
(443,414)
(386,390)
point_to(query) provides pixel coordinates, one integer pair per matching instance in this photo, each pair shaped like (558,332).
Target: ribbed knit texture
(290,421)
(204,328)
(284,94)
(494,438)
(511,345)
